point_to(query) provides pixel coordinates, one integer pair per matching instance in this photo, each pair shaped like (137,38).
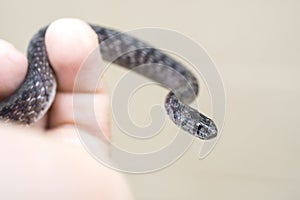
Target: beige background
(255,45)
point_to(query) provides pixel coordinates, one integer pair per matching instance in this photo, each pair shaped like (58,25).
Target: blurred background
(255,46)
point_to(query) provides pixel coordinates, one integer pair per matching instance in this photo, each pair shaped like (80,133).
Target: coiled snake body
(32,100)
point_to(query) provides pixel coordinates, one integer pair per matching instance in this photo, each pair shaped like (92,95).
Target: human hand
(47,160)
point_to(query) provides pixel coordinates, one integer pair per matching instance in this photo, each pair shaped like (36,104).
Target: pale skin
(47,161)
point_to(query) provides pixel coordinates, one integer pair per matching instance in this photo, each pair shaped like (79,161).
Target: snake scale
(35,96)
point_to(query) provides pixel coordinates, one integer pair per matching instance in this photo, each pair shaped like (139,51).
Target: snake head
(194,122)
(205,129)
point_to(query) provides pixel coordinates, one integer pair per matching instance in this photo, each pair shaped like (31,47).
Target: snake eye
(206,131)
(199,128)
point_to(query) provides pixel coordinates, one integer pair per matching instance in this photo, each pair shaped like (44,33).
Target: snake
(34,97)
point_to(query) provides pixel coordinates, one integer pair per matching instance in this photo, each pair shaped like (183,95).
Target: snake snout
(206,130)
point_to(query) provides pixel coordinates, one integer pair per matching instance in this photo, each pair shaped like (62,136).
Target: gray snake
(35,96)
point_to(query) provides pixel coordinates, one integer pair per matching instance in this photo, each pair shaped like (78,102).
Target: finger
(69,42)
(13,67)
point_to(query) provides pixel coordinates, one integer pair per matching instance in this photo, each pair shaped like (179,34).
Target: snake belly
(34,97)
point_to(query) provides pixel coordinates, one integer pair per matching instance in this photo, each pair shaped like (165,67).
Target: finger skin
(36,167)
(69,42)
(13,67)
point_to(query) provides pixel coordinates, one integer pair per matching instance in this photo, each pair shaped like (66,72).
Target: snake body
(35,96)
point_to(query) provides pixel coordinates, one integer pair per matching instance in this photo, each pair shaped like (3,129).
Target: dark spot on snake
(25,96)
(199,128)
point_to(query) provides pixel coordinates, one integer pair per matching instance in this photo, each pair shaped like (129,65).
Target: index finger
(69,42)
